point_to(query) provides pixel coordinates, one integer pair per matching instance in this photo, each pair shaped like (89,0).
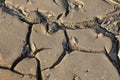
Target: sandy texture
(59,40)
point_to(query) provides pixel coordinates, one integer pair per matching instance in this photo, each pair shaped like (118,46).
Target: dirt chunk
(27,66)
(12,38)
(33,5)
(52,45)
(87,39)
(82,10)
(83,66)
(8,75)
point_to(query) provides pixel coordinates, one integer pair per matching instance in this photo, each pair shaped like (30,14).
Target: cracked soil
(59,39)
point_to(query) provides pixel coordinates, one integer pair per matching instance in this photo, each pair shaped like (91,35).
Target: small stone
(42,28)
(33,47)
(87,70)
(50,15)
(119,54)
(100,35)
(77,78)
(102,77)
(73,43)
(52,27)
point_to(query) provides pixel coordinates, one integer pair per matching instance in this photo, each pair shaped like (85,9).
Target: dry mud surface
(59,39)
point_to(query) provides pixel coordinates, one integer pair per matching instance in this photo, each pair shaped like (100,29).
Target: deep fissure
(38,72)
(115,46)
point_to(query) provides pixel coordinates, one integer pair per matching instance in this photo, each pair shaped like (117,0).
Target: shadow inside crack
(116,65)
(14,71)
(61,57)
(9,11)
(3,67)
(25,54)
(28,36)
(39,50)
(38,72)
(66,49)
(113,54)
(17,61)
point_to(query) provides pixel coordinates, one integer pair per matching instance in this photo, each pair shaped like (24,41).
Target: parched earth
(59,40)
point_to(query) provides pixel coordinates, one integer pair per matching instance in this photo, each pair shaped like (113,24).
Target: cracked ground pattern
(59,40)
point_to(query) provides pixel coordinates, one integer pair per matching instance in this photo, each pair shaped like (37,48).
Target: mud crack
(113,54)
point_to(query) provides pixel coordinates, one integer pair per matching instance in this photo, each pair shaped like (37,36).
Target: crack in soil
(6,68)
(38,72)
(27,52)
(61,57)
(26,49)
(63,54)
(115,46)
(17,61)
(55,2)
(112,61)
(113,51)
(3,67)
